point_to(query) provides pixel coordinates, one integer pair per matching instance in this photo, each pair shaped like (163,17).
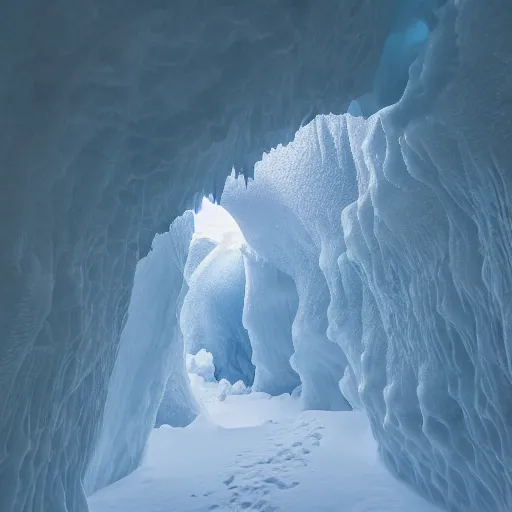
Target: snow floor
(254,452)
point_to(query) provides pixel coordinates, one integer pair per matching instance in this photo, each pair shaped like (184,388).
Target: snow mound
(201,364)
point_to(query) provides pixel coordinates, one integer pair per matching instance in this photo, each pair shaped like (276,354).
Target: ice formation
(211,315)
(200,247)
(119,116)
(116,116)
(304,241)
(422,310)
(429,237)
(151,349)
(270,305)
(201,364)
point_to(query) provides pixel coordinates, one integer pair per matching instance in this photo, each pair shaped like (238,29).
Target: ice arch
(305,241)
(115,116)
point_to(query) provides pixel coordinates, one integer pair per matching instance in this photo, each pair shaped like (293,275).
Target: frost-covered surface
(430,236)
(115,116)
(299,192)
(423,310)
(211,315)
(270,305)
(254,452)
(150,350)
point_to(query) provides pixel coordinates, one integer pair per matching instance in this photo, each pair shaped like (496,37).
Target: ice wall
(299,192)
(200,247)
(115,115)
(270,305)
(211,315)
(151,349)
(430,238)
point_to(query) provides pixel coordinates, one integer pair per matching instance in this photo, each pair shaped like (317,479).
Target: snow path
(251,452)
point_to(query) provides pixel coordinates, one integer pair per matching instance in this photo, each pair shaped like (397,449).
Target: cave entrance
(219,324)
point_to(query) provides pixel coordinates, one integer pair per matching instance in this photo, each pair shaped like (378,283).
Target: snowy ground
(253,452)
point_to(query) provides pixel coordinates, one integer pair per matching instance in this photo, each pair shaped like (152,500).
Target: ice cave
(256,256)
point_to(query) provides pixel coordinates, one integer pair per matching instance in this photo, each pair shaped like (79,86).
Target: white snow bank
(282,461)
(201,364)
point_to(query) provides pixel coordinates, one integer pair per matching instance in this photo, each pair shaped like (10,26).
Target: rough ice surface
(430,238)
(304,241)
(150,350)
(116,116)
(211,315)
(270,305)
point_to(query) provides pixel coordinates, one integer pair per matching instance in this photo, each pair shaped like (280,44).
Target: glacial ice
(429,237)
(151,349)
(211,315)
(270,304)
(200,247)
(304,241)
(118,119)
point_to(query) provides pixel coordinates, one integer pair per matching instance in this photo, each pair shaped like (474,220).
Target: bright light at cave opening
(214,222)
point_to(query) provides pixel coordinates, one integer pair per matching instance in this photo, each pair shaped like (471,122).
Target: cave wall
(211,315)
(422,302)
(150,361)
(270,306)
(429,236)
(116,116)
(303,239)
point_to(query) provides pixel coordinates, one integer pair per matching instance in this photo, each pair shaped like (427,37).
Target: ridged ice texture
(431,238)
(270,305)
(299,192)
(151,349)
(211,315)
(114,117)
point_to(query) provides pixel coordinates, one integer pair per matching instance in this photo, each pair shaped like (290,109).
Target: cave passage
(352,350)
(248,443)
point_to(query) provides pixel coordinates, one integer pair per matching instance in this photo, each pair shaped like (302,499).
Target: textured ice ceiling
(116,116)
